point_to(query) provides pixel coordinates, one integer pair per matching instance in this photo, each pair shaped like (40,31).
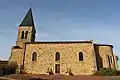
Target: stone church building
(59,57)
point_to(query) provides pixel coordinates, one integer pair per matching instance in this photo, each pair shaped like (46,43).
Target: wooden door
(57,68)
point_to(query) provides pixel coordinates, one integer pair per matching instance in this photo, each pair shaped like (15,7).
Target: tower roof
(28,19)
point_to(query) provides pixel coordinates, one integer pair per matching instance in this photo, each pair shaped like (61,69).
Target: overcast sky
(97,20)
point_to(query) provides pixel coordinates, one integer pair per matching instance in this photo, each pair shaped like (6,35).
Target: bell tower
(26,30)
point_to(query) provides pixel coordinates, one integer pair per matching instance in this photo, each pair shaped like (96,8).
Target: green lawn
(116,78)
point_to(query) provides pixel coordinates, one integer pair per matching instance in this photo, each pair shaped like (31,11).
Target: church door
(57,68)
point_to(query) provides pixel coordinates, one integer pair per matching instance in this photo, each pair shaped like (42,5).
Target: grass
(116,78)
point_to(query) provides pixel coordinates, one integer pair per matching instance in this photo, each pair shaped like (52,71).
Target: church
(58,57)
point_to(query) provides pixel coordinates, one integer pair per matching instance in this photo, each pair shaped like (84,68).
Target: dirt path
(58,77)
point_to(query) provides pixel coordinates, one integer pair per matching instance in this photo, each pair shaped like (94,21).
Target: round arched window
(80,56)
(34,56)
(57,56)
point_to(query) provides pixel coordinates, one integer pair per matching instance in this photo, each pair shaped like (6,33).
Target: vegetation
(8,68)
(107,72)
(49,71)
(13,66)
(116,78)
(69,72)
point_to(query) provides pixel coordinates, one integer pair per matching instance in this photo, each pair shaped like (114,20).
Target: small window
(57,56)
(34,56)
(22,36)
(80,56)
(26,34)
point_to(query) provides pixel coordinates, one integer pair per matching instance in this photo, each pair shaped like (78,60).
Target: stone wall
(30,37)
(69,58)
(24,28)
(16,56)
(116,63)
(102,52)
(94,57)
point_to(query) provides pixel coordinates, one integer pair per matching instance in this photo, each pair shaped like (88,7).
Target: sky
(97,20)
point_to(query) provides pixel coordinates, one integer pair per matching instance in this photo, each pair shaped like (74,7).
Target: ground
(57,77)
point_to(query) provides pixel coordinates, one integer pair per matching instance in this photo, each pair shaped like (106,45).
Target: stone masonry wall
(20,42)
(69,58)
(16,56)
(103,51)
(116,64)
(24,28)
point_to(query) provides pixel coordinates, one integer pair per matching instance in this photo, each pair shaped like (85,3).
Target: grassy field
(116,78)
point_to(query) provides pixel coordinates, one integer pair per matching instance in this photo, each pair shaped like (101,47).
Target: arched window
(80,56)
(34,56)
(57,56)
(22,36)
(26,34)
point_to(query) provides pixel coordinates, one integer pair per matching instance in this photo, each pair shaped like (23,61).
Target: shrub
(23,72)
(107,72)
(49,71)
(13,66)
(8,68)
(69,71)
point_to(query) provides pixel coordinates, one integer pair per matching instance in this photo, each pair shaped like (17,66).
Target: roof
(58,42)
(103,45)
(3,62)
(28,19)
(16,47)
